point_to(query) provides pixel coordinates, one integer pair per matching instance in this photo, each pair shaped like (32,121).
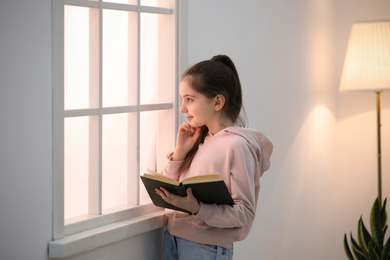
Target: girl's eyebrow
(187,95)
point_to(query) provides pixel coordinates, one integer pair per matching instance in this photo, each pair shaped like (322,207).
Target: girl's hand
(186,138)
(188,202)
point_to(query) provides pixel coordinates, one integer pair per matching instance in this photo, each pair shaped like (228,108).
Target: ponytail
(237,92)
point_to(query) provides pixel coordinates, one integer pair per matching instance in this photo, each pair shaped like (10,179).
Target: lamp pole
(378,120)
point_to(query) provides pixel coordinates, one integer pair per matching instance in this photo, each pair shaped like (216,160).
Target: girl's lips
(189,118)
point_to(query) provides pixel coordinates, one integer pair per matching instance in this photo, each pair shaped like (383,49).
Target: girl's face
(198,109)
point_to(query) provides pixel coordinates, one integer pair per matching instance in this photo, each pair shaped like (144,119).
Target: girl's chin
(195,125)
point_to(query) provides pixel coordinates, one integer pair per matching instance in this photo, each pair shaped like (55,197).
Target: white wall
(289,55)
(25,129)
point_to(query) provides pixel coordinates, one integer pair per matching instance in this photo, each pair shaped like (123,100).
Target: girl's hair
(217,76)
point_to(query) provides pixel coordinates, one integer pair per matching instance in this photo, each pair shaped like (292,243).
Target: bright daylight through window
(114,103)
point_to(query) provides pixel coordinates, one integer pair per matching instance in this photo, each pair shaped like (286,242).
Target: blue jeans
(176,248)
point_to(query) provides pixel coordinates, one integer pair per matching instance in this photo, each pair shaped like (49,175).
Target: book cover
(208,188)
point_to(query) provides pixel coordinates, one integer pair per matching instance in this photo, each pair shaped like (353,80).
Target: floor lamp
(367,68)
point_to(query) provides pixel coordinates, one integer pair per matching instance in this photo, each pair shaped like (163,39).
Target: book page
(210,177)
(159,177)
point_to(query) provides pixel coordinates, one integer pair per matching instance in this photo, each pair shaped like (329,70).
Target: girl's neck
(220,126)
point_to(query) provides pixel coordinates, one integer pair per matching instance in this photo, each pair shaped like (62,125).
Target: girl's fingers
(189,192)
(165,194)
(187,127)
(188,202)
(162,192)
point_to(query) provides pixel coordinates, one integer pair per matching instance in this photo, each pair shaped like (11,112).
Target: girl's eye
(189,99)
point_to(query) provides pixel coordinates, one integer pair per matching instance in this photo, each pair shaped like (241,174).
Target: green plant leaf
(384,215)
(385,255)
(346,248)
(377,225)
(364,236)
(384,232)
(370,246)
(357,251)
(373,251)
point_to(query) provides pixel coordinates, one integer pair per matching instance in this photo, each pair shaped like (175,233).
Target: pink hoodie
(241,156)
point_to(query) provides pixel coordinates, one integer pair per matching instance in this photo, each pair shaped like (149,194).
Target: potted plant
(370,246)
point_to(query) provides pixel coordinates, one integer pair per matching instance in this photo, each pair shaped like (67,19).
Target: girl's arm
(186,138)
(244,187)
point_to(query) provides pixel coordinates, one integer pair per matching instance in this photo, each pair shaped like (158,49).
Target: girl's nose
(183,109)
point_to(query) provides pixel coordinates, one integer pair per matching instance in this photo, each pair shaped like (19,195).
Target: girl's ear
(219,102)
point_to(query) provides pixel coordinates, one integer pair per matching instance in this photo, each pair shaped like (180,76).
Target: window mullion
(135,179)
(155,10)
(95,122)
(100,198)
(133,133)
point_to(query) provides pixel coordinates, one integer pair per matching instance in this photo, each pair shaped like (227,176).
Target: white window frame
(74,238)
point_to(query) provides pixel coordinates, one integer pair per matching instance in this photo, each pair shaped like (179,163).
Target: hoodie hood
(260,143)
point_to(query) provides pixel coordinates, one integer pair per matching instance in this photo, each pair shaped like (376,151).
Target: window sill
(100,236)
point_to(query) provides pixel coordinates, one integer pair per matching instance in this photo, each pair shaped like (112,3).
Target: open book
(207,188)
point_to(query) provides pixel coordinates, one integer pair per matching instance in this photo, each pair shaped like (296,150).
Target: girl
(213,140)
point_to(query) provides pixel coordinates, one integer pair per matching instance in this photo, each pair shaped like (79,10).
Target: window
(115,94)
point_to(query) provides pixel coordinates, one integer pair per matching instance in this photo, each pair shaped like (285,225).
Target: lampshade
(367,61)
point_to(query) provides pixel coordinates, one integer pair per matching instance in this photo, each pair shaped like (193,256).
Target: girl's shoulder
(232,137)
(251,136)
(248,134)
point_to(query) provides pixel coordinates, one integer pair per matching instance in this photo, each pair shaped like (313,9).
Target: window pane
(148,140)
(76,166)
(149,58)
(148,145)
(119,58)
(157,58)
(119,158)
(149,2)
(76,57)
(158,3)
